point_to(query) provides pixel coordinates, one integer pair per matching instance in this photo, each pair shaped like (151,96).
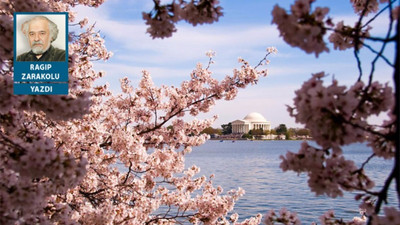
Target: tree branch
(396,79)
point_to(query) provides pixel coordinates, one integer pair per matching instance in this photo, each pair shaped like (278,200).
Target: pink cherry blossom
(161,20)
(300,29)
(285,217)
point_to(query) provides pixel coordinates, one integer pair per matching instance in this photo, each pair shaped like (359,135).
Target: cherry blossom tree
(338,115)
(59,154)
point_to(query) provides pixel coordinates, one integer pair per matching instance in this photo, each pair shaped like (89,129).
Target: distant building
(252,121)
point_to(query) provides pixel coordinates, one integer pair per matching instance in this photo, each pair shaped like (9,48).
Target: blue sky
(244,31)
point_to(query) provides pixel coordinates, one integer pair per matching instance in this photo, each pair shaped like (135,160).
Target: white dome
(255,117)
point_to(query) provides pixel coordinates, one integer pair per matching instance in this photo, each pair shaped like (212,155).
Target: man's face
(39,36)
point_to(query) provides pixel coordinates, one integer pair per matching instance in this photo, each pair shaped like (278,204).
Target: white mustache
(37,42)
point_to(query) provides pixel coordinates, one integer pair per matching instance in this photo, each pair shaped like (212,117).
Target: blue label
(40,77)
(41,88)
(40,72)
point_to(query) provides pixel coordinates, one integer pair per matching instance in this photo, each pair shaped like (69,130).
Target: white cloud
(172,59)
(129,39)
(175,57)
(188,43)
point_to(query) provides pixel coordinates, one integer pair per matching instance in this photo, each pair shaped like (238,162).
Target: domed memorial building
(252,121)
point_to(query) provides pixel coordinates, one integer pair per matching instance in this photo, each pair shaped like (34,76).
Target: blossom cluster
(327,175)
(161,20)
(6,39)
(391,216)
(339,115)
(329,218)
(285,217)
(33,168)
(366,6)
(302,28)
(306,29)
(345,37)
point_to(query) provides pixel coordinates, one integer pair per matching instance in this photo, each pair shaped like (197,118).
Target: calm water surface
(254,166)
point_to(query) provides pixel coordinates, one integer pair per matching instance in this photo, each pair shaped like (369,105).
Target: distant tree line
(210,130)
(290,133)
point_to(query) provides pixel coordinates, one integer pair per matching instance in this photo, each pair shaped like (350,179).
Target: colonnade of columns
(240,128)
(245,128)
(260,126)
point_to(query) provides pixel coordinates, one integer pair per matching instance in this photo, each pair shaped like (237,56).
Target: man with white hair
(41,32)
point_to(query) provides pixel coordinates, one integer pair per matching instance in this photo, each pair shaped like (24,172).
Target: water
(254,166)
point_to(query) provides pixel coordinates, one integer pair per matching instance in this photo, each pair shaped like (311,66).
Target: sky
(244,31)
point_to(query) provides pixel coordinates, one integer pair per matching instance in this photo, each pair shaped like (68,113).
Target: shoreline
(245,139)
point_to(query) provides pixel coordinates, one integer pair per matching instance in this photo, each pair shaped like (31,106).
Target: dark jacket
(52,54)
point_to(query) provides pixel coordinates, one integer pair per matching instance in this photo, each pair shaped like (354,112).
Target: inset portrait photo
(40,37)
